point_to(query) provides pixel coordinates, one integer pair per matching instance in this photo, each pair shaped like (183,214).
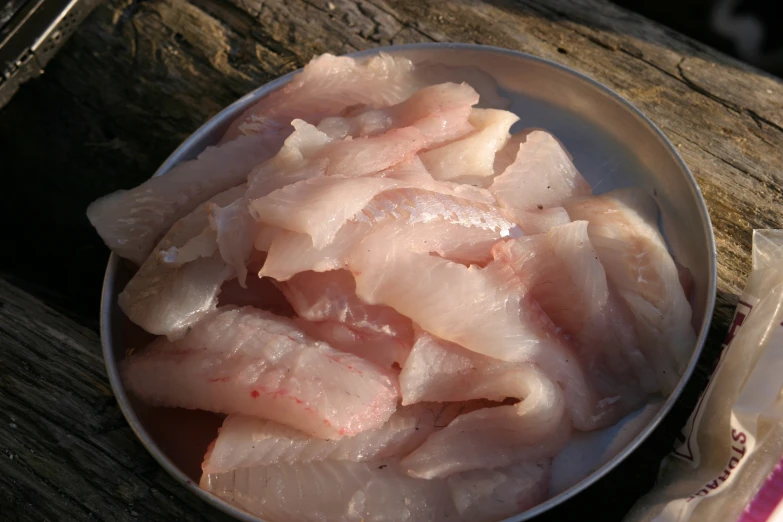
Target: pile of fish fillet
(405,311)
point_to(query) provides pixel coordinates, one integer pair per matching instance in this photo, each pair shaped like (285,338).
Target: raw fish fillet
(377,333)
(166,299)
(329,85)
(623,227)
(425,288)
(378,348)
(261,292)
(473,156)
(429,73)
(251,362)
(541,176)
(236,230)
(416,174)
(441,112)
(310,153)
(331,296)
(320,206)
(343,491)
(493,494)
(540,221)
(421,220)
(131,222)
(562,270)
(508,153)
(334,491)
(245,441)
(499,316)
(326,86)
(533,429)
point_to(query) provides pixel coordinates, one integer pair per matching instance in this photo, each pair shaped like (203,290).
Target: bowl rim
(234,109)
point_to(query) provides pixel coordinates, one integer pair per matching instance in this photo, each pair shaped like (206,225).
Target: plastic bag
(729,466)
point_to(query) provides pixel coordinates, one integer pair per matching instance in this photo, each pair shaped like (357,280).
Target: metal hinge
(32,61)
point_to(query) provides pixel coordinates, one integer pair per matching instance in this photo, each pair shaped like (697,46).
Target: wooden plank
(66,452)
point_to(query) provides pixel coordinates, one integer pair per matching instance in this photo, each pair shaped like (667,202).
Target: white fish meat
(441,112)
(310,153)
(166,299)
(328,85)
(429,73)
(493,494)
(334,491)
(424,288)
(623,228)
(331,296)
(339,318)
(563,272)
(473,156)
(504,321)
(376,347)
(131,222)
(245,441)
(508,153)
(540,221)
(259,292)
(420,220)
(344,491)
(319,207)
(416,174)
(541,176)
(235,228)
(251,362)
(537,427)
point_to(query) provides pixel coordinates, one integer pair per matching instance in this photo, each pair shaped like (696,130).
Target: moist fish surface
(472,158)
(310,153)
(623,228)
(441,112)
(563,272)
(166,299)
(534,428)
(251,362)
(328,85)
(504,321)
(132,221)
(330,311)
(344,491)
(245,441)
(420,220)
(541,176)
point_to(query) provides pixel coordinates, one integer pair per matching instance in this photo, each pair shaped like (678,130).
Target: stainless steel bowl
(613,145)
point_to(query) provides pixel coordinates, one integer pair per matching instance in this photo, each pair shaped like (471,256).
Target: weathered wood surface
(140,75)
(66,452)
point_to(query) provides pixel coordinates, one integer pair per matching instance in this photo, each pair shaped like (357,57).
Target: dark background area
(751,30)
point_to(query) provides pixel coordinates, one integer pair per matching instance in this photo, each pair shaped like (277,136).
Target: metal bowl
(613,145)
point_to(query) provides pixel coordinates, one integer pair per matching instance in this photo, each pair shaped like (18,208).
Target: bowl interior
(613,146)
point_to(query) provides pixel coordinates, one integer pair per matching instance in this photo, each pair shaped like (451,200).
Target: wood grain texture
(66,452)
(140,75)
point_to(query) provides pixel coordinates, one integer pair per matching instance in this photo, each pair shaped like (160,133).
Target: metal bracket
(32,61)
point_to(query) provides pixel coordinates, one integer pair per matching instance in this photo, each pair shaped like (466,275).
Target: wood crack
(699,89)
(402,22)
(768,186)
